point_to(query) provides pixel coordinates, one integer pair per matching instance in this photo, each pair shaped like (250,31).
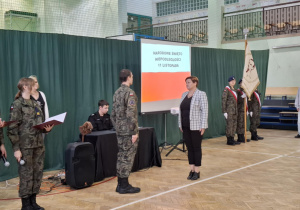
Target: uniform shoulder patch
(131,94)
(11,107)
(225,90)
(131,102)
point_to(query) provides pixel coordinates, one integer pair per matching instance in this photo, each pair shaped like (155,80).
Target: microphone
(22,162)
(6,163)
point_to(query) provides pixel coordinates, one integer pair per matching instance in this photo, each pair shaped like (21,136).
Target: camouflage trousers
(254,120)
(31,173)
(240,128)
(126,155)
(231,122)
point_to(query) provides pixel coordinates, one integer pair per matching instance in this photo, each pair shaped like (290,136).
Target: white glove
(247,113)
(225,115)
(251,113)
(244,95)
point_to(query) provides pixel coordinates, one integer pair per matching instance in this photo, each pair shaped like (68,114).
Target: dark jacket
(100,123)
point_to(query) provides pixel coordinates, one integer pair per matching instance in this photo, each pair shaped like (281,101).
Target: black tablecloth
(106,149)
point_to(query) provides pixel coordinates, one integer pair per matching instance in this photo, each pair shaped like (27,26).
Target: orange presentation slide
(163,85)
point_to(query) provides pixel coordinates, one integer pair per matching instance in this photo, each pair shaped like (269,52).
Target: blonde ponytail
(24,82)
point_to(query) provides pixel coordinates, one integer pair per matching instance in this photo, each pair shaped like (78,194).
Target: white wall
(250,4)
(92,18)
(140,7)
(19,5)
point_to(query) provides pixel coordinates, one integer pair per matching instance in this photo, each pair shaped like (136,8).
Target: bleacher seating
(278,110)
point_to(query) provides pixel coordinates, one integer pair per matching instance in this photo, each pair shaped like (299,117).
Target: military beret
(240,81)
(231,78)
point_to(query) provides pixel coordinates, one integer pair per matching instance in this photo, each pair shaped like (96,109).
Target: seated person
(101,120)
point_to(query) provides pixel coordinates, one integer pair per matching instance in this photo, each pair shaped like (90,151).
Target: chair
(234,33)
(227,35)
(191,38)
(251,31)
(260,30)
(268,29)
(280,28)
(202,37)
(295,26)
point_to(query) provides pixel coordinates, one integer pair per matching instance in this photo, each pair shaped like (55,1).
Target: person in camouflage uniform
(241,114)
(28,142)
(254,111)
(124,117)
(229,109)
(2,147)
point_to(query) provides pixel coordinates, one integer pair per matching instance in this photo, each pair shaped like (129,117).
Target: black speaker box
(80,164)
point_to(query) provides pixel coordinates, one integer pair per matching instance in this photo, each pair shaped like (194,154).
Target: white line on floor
(261,153)
(203,180)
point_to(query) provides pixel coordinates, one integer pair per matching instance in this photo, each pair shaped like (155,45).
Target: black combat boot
(34,204)
(119,183)
(235,142)
(26,204)
(241,138)
(258,137)
(253,136)
(125,187)
(230,141)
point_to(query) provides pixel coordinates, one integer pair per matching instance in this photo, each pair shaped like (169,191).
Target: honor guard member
(28,143)
(124,117)
(240,130)
(254,111)
(2,147)
(229,109)
(100,119)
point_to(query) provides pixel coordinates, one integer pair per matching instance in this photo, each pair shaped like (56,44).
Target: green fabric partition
(75,72)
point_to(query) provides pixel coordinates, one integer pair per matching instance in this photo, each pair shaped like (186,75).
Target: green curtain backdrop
(75,72)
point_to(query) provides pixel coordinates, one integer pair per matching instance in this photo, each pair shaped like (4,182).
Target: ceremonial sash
(257,97)
(244,99)
(232,92)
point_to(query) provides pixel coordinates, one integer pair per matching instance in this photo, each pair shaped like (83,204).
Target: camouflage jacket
(124,115)
(229,101)
(240,100)
(254,103)
(21,133)
(1,134)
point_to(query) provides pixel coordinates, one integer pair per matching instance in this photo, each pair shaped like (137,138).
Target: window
(139,24)
(178,6)
(231,1)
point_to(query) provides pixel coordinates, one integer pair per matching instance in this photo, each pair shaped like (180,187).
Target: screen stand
(165,144)
(181,141)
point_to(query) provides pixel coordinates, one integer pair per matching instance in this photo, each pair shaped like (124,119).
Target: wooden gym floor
(256,175)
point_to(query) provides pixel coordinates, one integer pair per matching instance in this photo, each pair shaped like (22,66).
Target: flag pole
(246,31)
